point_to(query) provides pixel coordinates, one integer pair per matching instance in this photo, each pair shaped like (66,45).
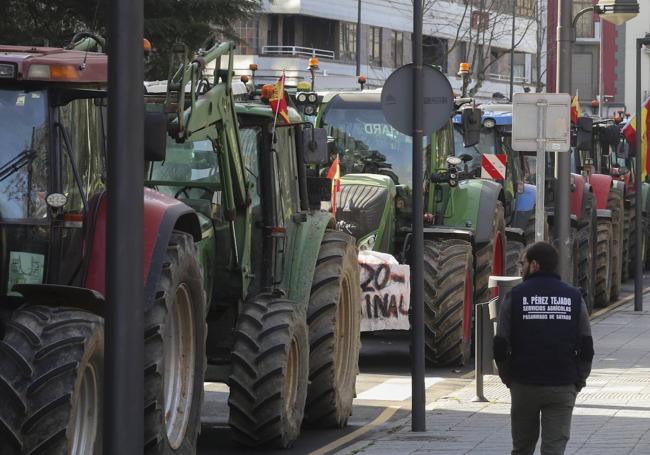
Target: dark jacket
(543,334)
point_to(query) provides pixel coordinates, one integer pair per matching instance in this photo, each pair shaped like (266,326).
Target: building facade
(598,44)
(480,32)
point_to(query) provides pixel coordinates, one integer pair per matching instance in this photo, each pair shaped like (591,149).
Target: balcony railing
(298,51)
(505,78)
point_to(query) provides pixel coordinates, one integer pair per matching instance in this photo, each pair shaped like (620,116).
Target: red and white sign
(493,166)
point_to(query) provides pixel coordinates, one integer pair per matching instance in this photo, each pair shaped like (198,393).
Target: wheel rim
(179,358)
(344,342)
(86,413)
(292,378)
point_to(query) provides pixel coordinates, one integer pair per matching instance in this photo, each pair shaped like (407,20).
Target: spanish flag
(334,174)
(575,109)
(278,103)
(629,131)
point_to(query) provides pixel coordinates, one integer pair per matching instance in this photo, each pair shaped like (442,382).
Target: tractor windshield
(23,152)
(489,144)
(366,143)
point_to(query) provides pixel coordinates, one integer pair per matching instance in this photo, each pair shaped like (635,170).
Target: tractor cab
(52,161)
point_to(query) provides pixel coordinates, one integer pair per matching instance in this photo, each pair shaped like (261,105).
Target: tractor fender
(490,195)
(601,184)
(58,295)
(308,237)
(162,215)
(577,195)
(443,232)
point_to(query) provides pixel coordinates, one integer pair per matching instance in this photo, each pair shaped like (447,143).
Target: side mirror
(314,146)
(584,138)
(471,122)
(612,136)
(155,136)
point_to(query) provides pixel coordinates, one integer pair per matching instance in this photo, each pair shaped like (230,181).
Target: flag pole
(277,109)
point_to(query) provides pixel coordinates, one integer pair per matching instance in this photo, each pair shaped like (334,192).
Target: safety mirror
(584,138)
(314,145)
(155,136)
(471,122)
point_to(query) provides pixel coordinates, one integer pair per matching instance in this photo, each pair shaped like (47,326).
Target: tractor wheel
(603,246)
(631,235)
(490,258)
(615,204)
(584,262)
(334,318)
(175,361)
(270,371)
(514,249)
(54,373)
(448,301)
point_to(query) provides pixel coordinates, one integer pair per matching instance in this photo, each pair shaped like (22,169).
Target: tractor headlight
(489,123)
(368,243)
(7,71)
(301,98)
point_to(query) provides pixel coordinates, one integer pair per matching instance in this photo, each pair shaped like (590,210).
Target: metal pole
(417,262)
(512,50)
(563,160)
(358,38)
(601,89)
(478,353)
(124,343)
(638,265)
(540,171)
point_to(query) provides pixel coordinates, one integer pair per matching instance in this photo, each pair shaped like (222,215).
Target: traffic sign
(554,109)
(397,99)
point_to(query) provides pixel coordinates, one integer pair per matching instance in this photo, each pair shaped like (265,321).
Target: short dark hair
(545,254)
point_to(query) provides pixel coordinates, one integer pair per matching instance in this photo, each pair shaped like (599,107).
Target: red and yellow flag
(575,109)
(334,174)
(629,131)
(278,103)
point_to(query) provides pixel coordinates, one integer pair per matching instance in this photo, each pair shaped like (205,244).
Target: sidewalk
(612,414)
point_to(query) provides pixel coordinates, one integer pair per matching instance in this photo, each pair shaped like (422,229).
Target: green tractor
(245,282)
(464,216)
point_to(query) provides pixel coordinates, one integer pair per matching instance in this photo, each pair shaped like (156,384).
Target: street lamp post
(512,50)
(617,12)
(638,266)
(358,47)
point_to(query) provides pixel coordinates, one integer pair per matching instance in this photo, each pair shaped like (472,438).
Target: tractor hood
(51,64)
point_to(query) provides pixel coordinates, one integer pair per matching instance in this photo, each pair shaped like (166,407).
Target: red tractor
(52,248)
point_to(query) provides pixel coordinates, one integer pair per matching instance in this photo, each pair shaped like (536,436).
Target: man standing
(543,349)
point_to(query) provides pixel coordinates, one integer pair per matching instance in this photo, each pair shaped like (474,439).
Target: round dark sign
(397,99)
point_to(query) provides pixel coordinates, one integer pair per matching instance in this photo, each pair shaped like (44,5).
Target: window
(83,123)
(398,48)
(347,41)
(585,25)
(519,63)
(435,52)
(374,46)
(247,32)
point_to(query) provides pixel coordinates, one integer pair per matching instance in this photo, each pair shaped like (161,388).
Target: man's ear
(534,266)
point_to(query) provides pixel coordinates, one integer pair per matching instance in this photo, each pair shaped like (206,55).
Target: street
(383,394)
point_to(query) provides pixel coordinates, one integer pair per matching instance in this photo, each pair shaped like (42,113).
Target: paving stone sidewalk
(612,414)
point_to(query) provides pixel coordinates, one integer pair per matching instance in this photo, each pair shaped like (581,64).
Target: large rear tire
(334,318)
(448,302)
(615,204)
(60,356)
(175,361)
(270,370)
(584,260)
(490,258)
(514,249)
(603,275)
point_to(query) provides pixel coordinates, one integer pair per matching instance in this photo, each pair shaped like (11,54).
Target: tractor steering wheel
(184,190)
